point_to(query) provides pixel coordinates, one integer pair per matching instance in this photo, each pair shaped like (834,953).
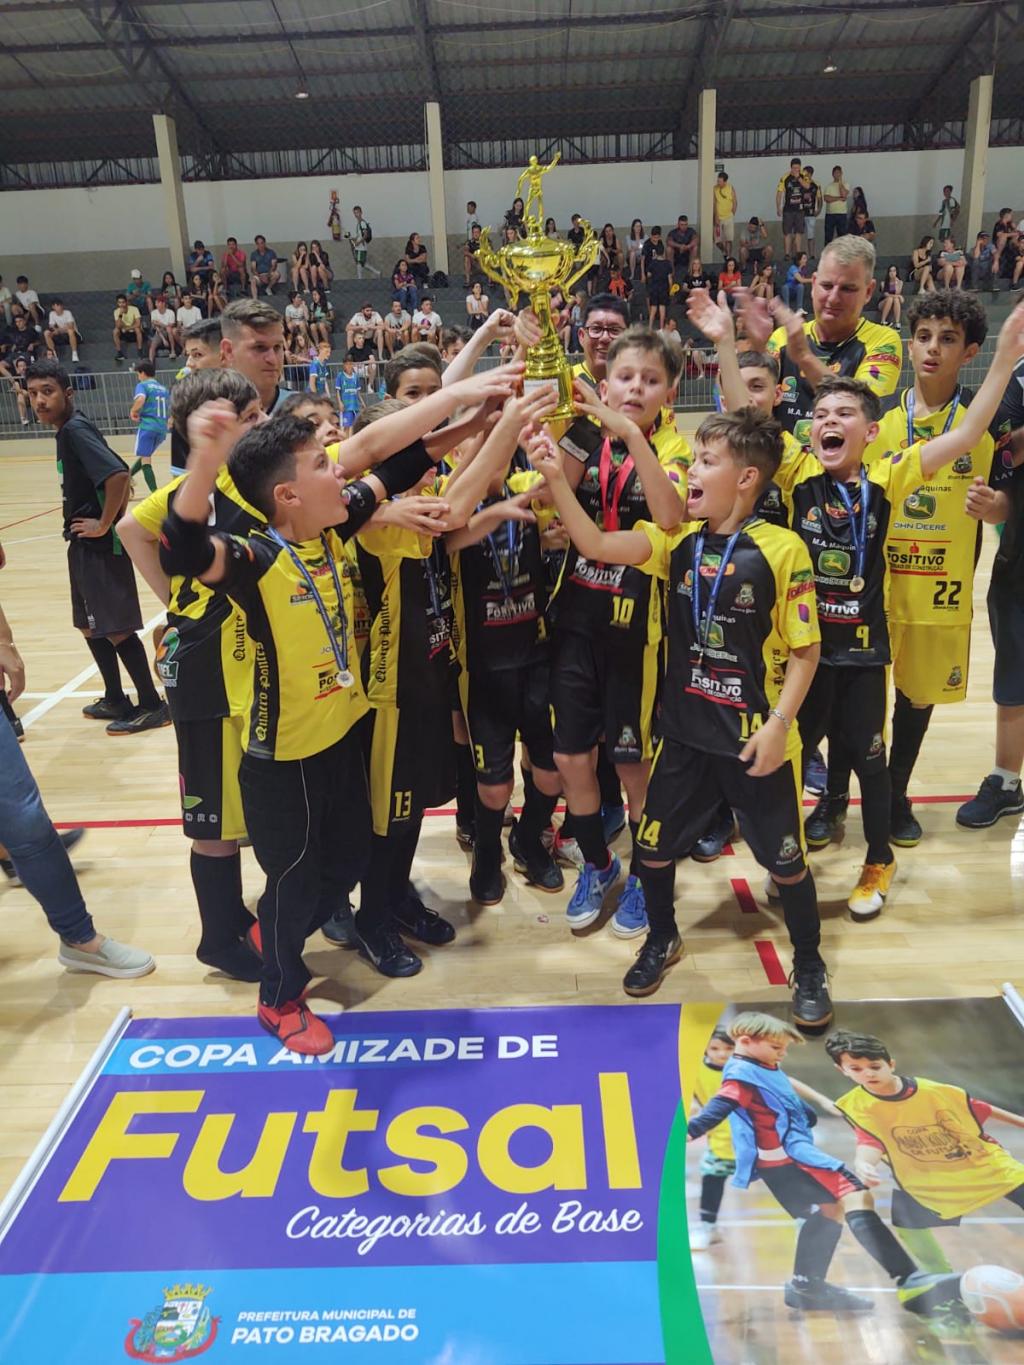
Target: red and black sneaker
(297,1027)
(254,938)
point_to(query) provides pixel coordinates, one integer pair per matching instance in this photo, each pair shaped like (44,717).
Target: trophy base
(565,411)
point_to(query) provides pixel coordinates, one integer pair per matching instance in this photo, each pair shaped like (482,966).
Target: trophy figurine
(534,265)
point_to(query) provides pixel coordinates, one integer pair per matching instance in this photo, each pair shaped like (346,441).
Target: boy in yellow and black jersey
(932,548)
(931,1135)
(607,618)
(411,673)
(843,512)
(500,604)
(742,650)
(302,777)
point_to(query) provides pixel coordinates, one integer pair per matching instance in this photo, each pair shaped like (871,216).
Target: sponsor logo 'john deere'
(178,1329)
(920,506)
(833,563)
(716,636)
(917,559)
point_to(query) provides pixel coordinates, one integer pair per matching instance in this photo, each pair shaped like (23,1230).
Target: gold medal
(857,584)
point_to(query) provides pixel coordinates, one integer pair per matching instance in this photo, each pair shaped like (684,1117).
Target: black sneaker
(926,1293)
(535,864)
(818,1296)
(119,355)
(141,719)
(709,846)
(652,962)
(68,837)
(486,885)
(816,776)
(102,709)
(904,829)
(419,921)
(812,1004)
(388,953)
(826,820)
(993,800)
(340,929)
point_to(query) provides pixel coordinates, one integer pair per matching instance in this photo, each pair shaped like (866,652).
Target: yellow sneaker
(871,890)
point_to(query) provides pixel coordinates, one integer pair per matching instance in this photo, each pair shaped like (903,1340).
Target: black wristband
(186,547)
(405,469)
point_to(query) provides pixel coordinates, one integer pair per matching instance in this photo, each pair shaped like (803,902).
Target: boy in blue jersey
(320,372)
(349,394)
(149,410)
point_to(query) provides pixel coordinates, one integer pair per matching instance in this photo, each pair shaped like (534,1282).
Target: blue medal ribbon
(703,620)
(911,404)
(337,640)
(858,534)
(512,541)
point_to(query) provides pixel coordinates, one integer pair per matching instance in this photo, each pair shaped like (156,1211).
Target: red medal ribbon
(610,510)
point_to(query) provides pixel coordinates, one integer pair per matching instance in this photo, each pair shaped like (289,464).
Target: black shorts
(657,293)
(104,598)
(907,1212)
(412,764)
(685,786)
(848,703)
(209,757)
(1006,621)
(799,1189)
(598,691)
(500,704)
(792,221)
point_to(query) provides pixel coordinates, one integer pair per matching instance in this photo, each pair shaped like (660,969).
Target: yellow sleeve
(776,343)
(662,545)
(522,482)
(796,606)
(899,472)
(891,431)
(797,465)
(151,513)
(674,455)
(883,361)
(394,542)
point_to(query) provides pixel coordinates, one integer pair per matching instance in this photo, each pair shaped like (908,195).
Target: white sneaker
(771,890)
(113,959)
(567,852)
(74,357)
(703,1236)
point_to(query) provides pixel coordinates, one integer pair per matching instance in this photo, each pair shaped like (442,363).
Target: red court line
(741,890)
(7,525)
(770,962)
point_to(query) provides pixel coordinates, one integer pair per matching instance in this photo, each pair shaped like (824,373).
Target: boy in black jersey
(742,650)
(842,512)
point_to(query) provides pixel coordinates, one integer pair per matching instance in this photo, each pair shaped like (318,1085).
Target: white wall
(126,218)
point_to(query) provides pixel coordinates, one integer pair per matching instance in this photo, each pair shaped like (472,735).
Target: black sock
(536,815)
(909,726)
(712,1187)
(800,908)
(815,1246)
(402,854)
(608,779)
(659,884)
(589,832)
(487,845)
(880,1243)
(634,861)
(223,917)
(876,814)
(374,911)
(106,661)
(840,764)
(465,785)
(132,653)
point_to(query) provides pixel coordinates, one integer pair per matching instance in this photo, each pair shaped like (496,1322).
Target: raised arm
(483,523)
(715,321)
(499,327)
(494,455)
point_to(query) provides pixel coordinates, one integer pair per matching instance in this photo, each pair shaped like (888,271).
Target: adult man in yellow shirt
(725,206)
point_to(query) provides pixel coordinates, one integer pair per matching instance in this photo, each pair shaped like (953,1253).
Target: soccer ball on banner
(995,1296)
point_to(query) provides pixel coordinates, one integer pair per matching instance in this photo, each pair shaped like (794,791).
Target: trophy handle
(491,263)
(586,256)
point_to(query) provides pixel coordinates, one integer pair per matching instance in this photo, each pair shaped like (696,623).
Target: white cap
(136,274)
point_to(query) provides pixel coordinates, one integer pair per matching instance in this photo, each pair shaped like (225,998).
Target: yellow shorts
(930,663)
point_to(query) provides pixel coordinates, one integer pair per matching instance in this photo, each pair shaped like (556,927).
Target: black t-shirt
(576,235)
(1009,560)
(680,239)
(84,463)
(793,193)
(810,198)
(700,281)
(658,269)
(360,354)
(22,341)
(861,230)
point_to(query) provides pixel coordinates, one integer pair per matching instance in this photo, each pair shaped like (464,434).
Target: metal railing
(109,401)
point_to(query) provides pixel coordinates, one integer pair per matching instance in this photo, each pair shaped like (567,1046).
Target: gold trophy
(534,265)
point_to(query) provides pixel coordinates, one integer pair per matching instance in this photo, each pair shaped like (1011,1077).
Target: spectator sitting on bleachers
(416,254)
(19,383)
(171,290)
(403,285)
(469,251)
(426,324)
(20,339)
(300,266)
(198,292)
(795,282)
(5,301)
(921,265)
(697,278)
(233,267)
(216,295)
(29,300)
(61,329)
(321,316)
(762,286)
(127,323)
(140,293)
(952,264)
(367,320)
(892,298)
(862,226)
(264,268)
(396,328)
(296,322)
(754,245)
(200,262)
(983,260)
(364,354)
(320,272)
(165,328)
(187,314)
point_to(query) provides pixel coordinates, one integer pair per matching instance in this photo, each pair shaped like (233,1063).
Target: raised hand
(755,316)
(587,402)
(713,318)
(214,429)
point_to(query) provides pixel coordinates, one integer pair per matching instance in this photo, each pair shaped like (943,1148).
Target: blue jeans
(794,296)
(408,297)
(34,848)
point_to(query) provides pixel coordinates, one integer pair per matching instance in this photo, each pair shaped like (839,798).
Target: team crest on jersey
(745,596)
(812,519)
(963,464)
(956,676)
(178,1329)
(166,663)
(789,849)
(772,499)
(627,738)
(876,746)
(920,506)
(833,563)
(788,389)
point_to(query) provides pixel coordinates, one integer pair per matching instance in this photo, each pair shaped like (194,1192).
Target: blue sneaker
(614,819)
(816,777)
(630,918)
(591,888)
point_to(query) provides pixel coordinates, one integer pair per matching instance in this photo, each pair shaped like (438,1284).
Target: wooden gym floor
(951,927)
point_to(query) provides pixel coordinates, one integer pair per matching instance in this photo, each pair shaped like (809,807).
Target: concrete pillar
(173,195)
(972,191)
(435,182)
(706,114)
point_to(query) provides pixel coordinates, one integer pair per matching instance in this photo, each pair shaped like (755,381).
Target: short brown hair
(648,342)
(870,403)
(204,386)
(376,411)
(760,360)
(254,313)
(421,355)
(296,401)
(753,438)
